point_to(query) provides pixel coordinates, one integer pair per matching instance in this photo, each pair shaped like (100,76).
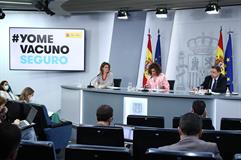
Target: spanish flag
(219,59)
(148,60)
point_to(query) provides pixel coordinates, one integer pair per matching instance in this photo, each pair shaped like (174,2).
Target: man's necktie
(214,85)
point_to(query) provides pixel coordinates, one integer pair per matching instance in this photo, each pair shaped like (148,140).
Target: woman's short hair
(156,67)
(103,65)
(104,113)
(2,83)
(25,93)
(1,88)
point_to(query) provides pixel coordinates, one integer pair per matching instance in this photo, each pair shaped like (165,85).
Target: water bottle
(227,92)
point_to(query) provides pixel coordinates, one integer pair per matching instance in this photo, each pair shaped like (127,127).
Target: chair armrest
(59,135)
(55,125)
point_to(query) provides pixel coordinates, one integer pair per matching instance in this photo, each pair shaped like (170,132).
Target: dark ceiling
(82,6)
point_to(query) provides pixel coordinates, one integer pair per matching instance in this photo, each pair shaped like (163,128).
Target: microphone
(90,85)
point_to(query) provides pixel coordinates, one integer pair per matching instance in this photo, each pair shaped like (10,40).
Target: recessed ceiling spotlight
(122,14)
(212,8)
(2,14)
(161,13)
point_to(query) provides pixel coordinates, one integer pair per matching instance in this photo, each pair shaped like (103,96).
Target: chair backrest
(41,119)
(171,84)
(91,152)
(40,150)
(229,143)
(237,157)
(16,110)
(99,135)
(154,154)
(145,138)
(117,82)
(147,121)
(230,124)
(207,123)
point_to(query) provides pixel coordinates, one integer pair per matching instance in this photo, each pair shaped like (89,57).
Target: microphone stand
(90,85)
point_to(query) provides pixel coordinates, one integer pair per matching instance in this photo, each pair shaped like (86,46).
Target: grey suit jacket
(191,143)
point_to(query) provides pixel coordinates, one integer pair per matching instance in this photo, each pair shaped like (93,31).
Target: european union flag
(228,61)
(158,51)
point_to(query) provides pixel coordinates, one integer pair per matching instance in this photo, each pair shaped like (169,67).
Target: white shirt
(7,95)
(100,83)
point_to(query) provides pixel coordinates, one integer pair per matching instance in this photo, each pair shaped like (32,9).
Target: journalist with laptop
(28,133)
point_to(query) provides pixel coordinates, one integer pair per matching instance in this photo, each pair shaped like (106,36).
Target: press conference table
(79,104)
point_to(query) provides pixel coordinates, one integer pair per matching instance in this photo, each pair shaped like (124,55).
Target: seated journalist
(27,134)
(6,91)
(104,115)
(190,129)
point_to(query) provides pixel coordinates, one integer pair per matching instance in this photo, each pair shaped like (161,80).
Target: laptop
(128,131)
(24,124)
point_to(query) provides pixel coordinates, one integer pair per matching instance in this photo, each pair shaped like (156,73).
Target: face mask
(6,87)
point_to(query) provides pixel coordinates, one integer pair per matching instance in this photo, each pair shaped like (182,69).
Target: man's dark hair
(190,124)
(104,113)
(10,136)
(198,107)
(218,68)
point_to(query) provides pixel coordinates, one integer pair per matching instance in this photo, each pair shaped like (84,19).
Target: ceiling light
(43,6)
(122,14)
(15,2)
(2,14)
(212,8)
(161,13)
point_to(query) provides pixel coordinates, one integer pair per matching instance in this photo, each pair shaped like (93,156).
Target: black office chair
(145,138)
(15,111)
(91,152)
(40,150)
(99,135)
(230,124)
(156,154)
(117,82)
(207,123)
(147,121)
(237,157)
(228,142)
(171,84)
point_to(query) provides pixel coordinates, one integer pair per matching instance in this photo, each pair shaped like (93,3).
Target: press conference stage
(79,104)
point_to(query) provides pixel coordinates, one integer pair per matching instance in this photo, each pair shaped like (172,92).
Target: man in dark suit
(190,129)
(215,81)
